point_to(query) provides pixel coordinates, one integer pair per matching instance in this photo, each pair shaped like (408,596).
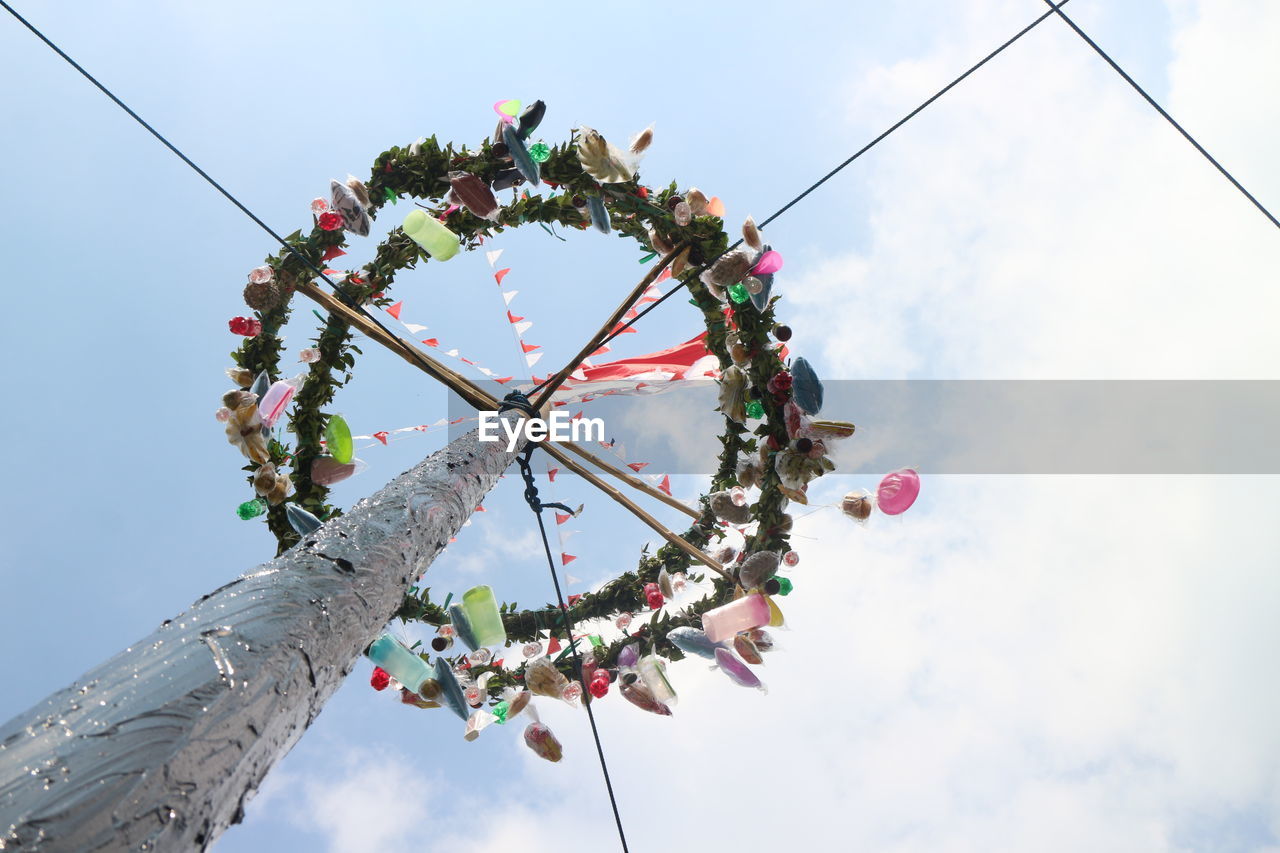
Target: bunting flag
(513,318)
(500,275)
(566,559)
(532,358)
(665,486)
(415,328)
(394,310)
(562,517)
(553,645)
(521,328)
(551,474)
(529,347)
(492,256)
(508,295)
(382,436)
(637,466)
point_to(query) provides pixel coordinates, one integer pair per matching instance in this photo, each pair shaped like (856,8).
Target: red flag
(513,318)
(381,436)
(562,517)
(331,253)
(677,360)
(636,466)
(566,559)
(573,599)
(623,330)
(480,508)
(432,342)
(554,645)
(529,347)
(551,474)
(504,380)
(394,310)
(604,349)
(665,486)
(500,275)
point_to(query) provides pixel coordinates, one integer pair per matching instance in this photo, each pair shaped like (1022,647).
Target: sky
(1032,662)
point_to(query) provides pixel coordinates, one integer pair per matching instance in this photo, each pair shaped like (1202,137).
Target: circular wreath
(768,442)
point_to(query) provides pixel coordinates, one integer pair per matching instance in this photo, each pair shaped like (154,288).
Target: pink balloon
(273,403)
(770,262)
(898,491)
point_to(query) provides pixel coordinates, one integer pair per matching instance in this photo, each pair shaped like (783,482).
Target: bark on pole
(160,747)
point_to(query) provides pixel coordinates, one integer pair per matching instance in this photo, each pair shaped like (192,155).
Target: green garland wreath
(741,334)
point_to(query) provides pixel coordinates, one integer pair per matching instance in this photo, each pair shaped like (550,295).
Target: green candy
(337,437)
(540,152)
(755,409)
(784,586)
(739,293)
(251,509)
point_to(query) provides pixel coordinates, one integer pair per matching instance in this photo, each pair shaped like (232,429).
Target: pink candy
(274,402)
(898,491)
(770,262)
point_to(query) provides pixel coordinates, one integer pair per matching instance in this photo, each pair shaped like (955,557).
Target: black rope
(516,400)
(863,150)
(1152,101)
(347,297)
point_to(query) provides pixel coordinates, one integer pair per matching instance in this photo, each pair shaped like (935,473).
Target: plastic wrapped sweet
(326,471)
(532,650)
(770,262)
(737,671)
(450,690)
(271,484)
(516,701)
(462,625)
(726,509)
(478,721)
(761,639)
(750,611)
(747,650)
(664,583)
(757,568)
(542,677)
(544,744)
(691,641)
(751,234)
(529,120)
(482,612)
(730,268)
(806,387)
(403,665)
(733,394)
(635,692)
(338,441)
(302,521)
(345,201)
(572,693)
(898,491)
(601,160)
(244,430)
(623,622)
(628,656)
(274,402)
(654,675)
(776,619)
(474,194)
(599,214)
(642,140)
(520,158)
(431,234)
(761,290)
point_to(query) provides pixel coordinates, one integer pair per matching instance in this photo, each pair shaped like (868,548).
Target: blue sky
(1047,663)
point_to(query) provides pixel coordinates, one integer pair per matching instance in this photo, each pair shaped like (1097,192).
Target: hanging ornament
(757,568)
(782,333)
(300,520)
(532,650)
(778,586)
(544,744)
(310,355)
(479,657)
(337,438)
(599,214)
(319,205)
(326,471)
(747,650)
(654,675)
(806,387)
(791,558)
(770,262)
(664,583)
(529,120)
(623,622)
(600,681)
(476,723)
(431,234)
(525,164)
(898,491)
(601,160)
(751,234)
(329,220)
(737,671)
(474,194)
(725,508)
(691,641)
(738,293)
(274,402)
(400,663)
(750,611)
(380,679)
(572,693)
(450,692)
(260,275)
(251,509)
(507,110)
(250,327)
(540,152)
(542,677)
(348,205)
(755,409)
(635,692)
(653,596)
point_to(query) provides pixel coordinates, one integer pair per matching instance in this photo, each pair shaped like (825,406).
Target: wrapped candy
(623,622)
(431,234)
(770,262)
(302,521)
(325,470)
(244,430)
(806,387)
(484,616)
(635,692)
(450,691)
(599,214)
(274,402)
(544,744)
(727,509)
(345,201)
(516,701)
(529,120)
(747,650)
(532,650)
(898,491)
(520,157)
(601,160)
(474,194)
(542,677)
(757,568)
(733,394)
(750,611)
(337,438)
(737,671)
(478,721)
(653,674)
(628,656)
(664,583)
(403,665)
(691,641)
(462,625)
